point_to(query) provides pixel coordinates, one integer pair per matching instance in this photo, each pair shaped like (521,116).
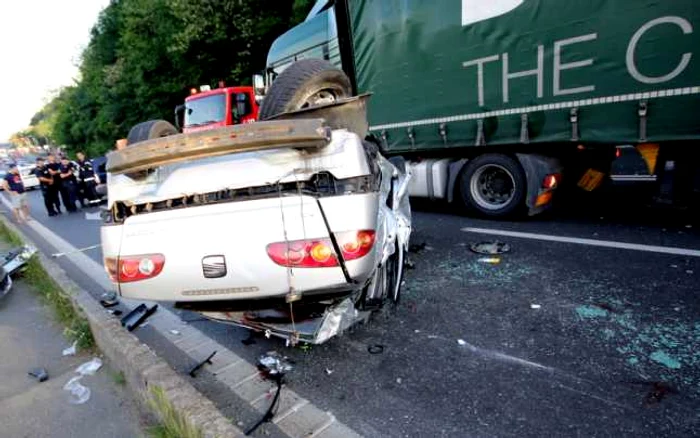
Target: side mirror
(179,117)
(259,84)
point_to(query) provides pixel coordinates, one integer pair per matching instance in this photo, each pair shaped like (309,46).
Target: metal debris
(375,349)
(40,373)
(490,247)
(196,368)
(490,260)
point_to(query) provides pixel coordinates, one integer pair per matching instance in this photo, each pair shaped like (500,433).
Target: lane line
(591,242)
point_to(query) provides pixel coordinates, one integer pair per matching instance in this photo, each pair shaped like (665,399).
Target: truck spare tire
(304,84)
(150,130)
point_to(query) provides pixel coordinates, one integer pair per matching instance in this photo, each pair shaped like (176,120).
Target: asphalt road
(558,339)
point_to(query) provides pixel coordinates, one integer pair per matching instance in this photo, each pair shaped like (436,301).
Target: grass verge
(76,326)
(172,423)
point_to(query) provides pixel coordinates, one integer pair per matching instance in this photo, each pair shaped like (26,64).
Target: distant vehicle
(29,180)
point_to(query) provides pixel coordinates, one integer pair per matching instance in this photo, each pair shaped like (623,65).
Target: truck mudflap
(537,168)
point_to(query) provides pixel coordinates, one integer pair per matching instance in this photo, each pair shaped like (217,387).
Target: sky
(40,46)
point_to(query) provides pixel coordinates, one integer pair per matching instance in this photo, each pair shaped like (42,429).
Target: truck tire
(493,185)
(304,84)
(150,130)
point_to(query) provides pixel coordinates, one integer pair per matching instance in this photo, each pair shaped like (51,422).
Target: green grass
(76,326)
(172,424)
(118,378)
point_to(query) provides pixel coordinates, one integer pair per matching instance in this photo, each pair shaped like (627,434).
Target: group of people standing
(74,182)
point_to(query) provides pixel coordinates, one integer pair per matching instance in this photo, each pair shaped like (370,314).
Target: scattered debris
(272,366)
(429,248)
(196,368)
(329,371)
(375,349)
(40,373)
(417,247)
(490,260)
(79,394)
(93,216)
(490,247)
(115,312)
(461,342)
(15,261)
(268,334)
(109,299)
(665,359)
(62,254)
(689,271)
(70,351)
(398,380)
(416,331)
(689,226)
(674,266)
(535,306)
(137,316)
(606,306)
(89,368)
(174,332)
(410,264)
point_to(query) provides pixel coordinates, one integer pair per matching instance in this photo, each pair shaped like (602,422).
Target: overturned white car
(296,227)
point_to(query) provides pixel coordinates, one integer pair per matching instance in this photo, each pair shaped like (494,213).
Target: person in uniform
(54,189)
(15,187)
(88,180)
(46,180)
(68,184)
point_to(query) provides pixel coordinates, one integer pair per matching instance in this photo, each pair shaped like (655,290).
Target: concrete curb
(142,368)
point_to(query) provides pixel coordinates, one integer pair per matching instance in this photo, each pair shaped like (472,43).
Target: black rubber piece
(300,79)
(150,130)
(375,349)
(520,183)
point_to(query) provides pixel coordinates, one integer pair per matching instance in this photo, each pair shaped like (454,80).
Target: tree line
(144,56)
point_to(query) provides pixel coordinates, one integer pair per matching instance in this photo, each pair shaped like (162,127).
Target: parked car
(29,180)
(290,227)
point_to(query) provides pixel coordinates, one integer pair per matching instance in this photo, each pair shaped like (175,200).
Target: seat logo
(474,11)
(214,266)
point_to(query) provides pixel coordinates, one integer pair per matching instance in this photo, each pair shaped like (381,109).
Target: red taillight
(313,253)
(551,181)
(355,244)
(618,153)
(319,253)
(135,268)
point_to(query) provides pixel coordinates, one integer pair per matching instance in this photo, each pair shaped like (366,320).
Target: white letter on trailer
(480,73)
(558,66)
(685,26)
(474,11)
(539,71)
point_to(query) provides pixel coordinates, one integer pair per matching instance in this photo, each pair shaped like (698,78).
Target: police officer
(88,179)
(68,184)
(42,174)
(54,189)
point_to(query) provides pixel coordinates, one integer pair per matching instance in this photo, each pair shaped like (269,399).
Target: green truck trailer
(491,102)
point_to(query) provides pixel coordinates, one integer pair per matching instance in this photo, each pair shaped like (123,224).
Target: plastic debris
(535,306)
(490,247)
(461,342)
(201,364)
(79,393)
(70,351)
(490,260)
(273,364)
(174,332)
(137,316)
(89,368)
(375,349)
(40,373)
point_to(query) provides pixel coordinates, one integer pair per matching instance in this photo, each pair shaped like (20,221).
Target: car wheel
(493,185)
(150,130)
(304,84)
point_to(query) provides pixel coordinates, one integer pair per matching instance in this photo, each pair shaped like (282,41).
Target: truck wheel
(493,185)
(150,130)
(304,84)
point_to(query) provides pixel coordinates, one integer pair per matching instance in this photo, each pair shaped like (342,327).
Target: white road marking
(591,242)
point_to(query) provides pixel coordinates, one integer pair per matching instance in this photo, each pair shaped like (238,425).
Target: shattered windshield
(205,110)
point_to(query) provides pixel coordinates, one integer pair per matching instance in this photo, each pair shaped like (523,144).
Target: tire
(305,83)
(150,130)
(493,185)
